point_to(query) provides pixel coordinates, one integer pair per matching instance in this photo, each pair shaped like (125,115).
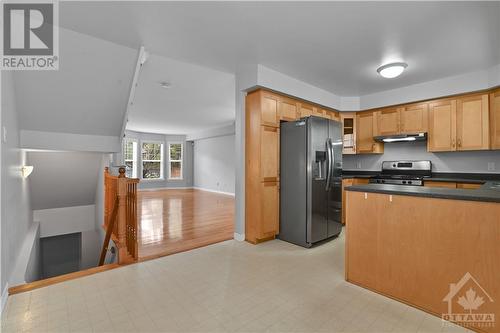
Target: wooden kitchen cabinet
(495,119)
(459,124)
(348,182)
(348,120)
(414,118)
(288,109)
(473,123)
(388,121)
(306,110)
(365,129)
(262,166)
(269,109)
(442,125)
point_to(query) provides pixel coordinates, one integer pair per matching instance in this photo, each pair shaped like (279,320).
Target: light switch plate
(491,166)
(4,134)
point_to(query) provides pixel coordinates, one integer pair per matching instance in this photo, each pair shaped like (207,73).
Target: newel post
(122,215)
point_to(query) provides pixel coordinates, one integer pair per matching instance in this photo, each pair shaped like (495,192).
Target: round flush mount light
(392,70)
(165,84)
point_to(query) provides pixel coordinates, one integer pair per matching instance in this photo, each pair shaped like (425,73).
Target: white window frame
(135,166)
(162,159)
(170,161)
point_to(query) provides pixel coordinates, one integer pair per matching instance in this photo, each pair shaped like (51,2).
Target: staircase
(120,216)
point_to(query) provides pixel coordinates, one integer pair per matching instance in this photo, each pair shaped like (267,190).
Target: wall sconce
(26,170)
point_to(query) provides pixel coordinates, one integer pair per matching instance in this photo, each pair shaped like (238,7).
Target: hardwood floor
(172,221)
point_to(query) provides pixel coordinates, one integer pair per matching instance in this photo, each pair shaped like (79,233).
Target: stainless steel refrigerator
(310,180)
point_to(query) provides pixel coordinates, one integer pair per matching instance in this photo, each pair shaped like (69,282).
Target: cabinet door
(269,110)
(387,121)
(270,209)
(495,119)
(306,110)
(442,126)
(364,132)
(269,153)
(473,123)
(414,118)
(288,109)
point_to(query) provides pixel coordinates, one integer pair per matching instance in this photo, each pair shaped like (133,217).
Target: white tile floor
(227,287)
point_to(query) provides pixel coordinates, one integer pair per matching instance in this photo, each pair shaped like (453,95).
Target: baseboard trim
(164,188)
(5,296)
(239,237)
(214,191)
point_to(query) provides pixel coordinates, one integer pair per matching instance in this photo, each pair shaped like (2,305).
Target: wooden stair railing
(120,216)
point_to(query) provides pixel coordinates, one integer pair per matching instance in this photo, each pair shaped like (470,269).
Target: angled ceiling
(333,45)
(87,95)
(198,98)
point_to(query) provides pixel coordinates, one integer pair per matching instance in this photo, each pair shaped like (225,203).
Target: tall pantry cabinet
(262,165)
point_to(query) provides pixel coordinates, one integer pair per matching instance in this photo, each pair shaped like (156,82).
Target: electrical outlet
(4,134)
(491,166)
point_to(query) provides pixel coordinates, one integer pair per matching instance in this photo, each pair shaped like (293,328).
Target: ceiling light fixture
(392,70)
(26,170)
(165,84)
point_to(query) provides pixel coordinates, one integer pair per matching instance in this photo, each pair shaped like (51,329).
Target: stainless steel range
(403,173)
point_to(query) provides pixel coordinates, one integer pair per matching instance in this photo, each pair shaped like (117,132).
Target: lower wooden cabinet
(348,182)
(262,212)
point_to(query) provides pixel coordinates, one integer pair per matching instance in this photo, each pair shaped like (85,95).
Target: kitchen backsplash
(470,161)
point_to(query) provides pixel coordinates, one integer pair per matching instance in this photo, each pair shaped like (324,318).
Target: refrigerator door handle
(329,164)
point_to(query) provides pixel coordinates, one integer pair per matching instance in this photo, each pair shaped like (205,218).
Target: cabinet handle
(453,143)
(459,143)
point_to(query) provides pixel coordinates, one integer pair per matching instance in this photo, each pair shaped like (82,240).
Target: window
(175,160)
(152,160)
(130,157)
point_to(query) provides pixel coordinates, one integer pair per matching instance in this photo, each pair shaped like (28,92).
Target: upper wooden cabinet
(387,121)
(306,110)
(288,109)
(269,113)
(473,123)
(442,130)
(414,118)
(365,125)
(495,119)
(459,124)
(348,120)
(406,119)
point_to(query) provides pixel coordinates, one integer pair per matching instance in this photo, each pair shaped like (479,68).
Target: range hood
(401,137)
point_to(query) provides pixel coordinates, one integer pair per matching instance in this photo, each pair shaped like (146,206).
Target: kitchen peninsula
(427,246)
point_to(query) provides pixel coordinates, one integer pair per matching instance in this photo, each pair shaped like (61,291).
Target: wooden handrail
(121,192)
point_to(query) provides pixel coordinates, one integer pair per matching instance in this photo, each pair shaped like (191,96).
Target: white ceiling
(199,98)
(334,45)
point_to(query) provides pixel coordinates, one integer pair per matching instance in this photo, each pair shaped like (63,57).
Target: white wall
(470,161)
(66,220)
(16,215)
(63,179)
(214,163)
(187,167)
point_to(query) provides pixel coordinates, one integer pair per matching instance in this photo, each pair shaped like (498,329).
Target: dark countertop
(472,178)
(489,192)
